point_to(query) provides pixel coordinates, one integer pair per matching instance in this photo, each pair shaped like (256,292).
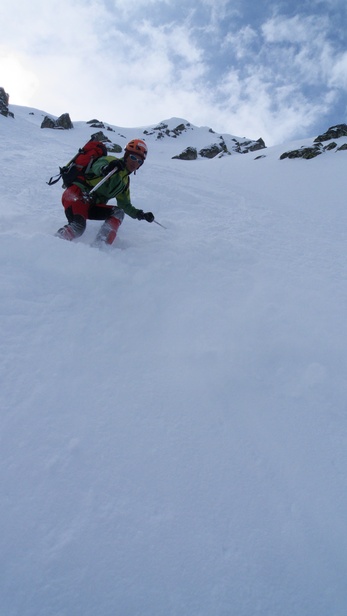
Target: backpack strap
(54,179)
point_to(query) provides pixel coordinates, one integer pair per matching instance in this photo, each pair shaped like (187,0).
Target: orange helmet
(136,146)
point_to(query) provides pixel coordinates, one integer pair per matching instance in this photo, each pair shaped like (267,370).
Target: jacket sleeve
(124,202)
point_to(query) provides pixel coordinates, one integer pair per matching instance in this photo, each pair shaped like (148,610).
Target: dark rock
(258,145)
(4,101)
(163,130)
(331,146)
(97,125)
(115,148)
(211,151)
(304,152)
(223,146)
(99,136)
(179,129)
(62,123)
(4,97)
(48,122)
(187,154)
(161,126)
(334,132)
(243,147)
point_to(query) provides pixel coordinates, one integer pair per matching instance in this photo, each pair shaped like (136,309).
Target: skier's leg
(76,211)
(108,231)
(74,229)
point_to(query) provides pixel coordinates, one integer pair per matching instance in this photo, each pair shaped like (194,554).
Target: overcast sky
(275,69)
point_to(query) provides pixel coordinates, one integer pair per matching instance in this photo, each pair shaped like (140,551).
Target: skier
(80,204)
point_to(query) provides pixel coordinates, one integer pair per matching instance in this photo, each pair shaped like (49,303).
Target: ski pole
(158,223)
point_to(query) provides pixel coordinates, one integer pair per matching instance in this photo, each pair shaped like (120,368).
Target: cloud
(286,74)
(239,68)
(242,42)
(126,9)
(218,12)
(338,72)
(296,29)
(256,108)
(300,49)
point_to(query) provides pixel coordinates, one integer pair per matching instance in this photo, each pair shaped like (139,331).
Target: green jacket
(118,186)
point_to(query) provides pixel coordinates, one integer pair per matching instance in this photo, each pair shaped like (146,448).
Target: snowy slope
(173,424)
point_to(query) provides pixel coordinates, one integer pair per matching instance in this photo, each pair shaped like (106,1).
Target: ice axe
(103,180)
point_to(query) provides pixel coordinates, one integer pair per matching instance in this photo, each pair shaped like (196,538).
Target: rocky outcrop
(212,151)
(221,149)
(304,152)
(187,154)
(258,145)
(334,132)
(114,148)
(162,130)
(97,124)
(111,147)
(224,145)
(100,136)
(62,123)
(4,100)
(317,148)
(243,147)
(47,122)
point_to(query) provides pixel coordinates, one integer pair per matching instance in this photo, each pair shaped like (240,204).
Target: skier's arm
(124,202)
(103,165)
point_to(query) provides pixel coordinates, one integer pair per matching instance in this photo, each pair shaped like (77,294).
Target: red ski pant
(77,204)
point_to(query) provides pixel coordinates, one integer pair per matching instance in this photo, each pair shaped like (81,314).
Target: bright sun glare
(16,79)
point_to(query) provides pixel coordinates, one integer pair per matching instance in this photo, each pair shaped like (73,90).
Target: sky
(256,68)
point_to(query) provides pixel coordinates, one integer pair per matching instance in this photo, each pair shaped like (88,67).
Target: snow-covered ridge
(182,140)
(203,140)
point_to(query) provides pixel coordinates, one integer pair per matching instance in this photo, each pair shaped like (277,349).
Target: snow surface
(174,408)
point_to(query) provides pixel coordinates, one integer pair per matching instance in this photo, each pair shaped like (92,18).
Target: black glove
(141,215)
(110,167)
